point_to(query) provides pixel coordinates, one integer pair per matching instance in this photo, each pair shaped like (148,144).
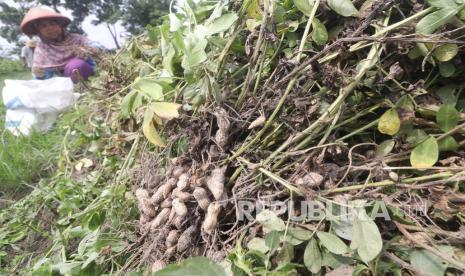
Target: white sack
(55,94)
(36,103)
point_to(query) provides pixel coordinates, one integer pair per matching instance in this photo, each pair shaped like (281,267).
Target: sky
(97,33)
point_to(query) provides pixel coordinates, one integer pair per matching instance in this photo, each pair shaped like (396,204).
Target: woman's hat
(34,14)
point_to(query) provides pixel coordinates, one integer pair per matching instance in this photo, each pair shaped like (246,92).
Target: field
(254,138)
(23,160)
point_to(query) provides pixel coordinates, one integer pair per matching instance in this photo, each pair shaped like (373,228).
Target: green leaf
(280,14)
(270,220)
(448,144)
(442,3)
(462,14)
(343,227)
(292,26)
(385,148)
(149,88)
(335,261)
(389,123)
(127,104)
(425,154)
(197,266)
(258,244)
(414,53)
(175,23)
(285,255)
(253,10)
(305,6)
(428,24)
(149,129)
(92,257)
(66,268)
(447,69)
(319,33)
(221,24)
(43,268)
(460,105)
(312,256)
(272,240)
(296,236)
(428,263)
(447,117)
(405,102)
(446,52)
(168,60)
(447,94)
(416,136)
(366,237)
(343,7)
(252,24)
(332,242)
(194,53)
(96,219)
(299,233)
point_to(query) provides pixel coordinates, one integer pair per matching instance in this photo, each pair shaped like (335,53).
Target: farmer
(58,52)
(27,52)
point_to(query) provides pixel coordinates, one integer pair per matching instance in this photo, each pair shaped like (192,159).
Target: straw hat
(31,43)
(27,25)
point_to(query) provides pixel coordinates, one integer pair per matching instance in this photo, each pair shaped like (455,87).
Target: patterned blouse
(56,54)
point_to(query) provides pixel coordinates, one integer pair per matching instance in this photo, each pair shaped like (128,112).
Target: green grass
(24,160)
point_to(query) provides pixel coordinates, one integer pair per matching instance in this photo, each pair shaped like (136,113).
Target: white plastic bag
(36,103)
(55,94)
(21,121)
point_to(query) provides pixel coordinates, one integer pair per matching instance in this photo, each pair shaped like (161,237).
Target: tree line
(133,14)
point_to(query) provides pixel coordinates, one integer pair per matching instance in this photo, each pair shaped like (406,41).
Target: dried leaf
(257,122)
(165,110)
(149,130)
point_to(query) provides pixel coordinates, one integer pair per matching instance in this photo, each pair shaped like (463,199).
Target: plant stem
(358,130)
(388,183)
(253,60)
(333,109)
(452,131)
(363,44)
(459,265)
(277,178)
(286,93)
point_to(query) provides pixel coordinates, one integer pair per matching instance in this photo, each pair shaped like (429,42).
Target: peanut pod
(211,219)
(172,238)
(215,183)
(183,182)
(161,219)
(185,240)
(183,196)
(201,195)
(179,207)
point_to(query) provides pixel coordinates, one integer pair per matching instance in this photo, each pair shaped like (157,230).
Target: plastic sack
(21,121)
(55,94)
(36,103)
